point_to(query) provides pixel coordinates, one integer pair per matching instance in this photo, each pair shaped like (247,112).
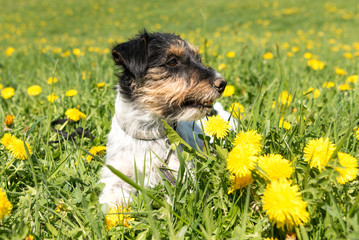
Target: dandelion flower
(350,170)
(228,91)
(9,51)
(268,55)
(216,126)
(100,85)
(285,98)
(1,85)
(117,216)
(340,72)
(344,87)
(240,182)
(242,160)
(9,120)
(275,166)
(352,79)
(328,84)
(74,114)
(284,205)
(308,55)
(94,151)
(34,90)
(250,137)
(284,124)
(7,140)
(7,93)
(237,110)
(315,64)
(5,205)
(231,54)
(76,52)
(318,152)
(221,66)
(348,55)
(17,149)
(315,92)
(71,93)
(51,80)
(357,132)
(52,97)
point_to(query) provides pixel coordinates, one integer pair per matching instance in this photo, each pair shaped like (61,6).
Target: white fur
(126,153)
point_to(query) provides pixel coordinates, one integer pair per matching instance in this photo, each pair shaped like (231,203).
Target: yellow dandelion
(290,54)
(328,84)
(216,126)
(350,170)
(284,205)
(242,160)
(295,49)
(357,133)
(9,120)
(315,64)
(340,72)
(65,54)
(250,137)
(271,238)
(237,110)
(9,51)
(228,91)
(318,152)
(17,149)
(240,182)
(231,54)
(29,237)
(285,98)
(7,140)
(344,87)
(52,97)
(221,66)
(100,85)
(52,80)
(71,93)
(118,217)
(95,151)
(268,55)
(34,90)
(7,92)
(275,166)
(308,55)
(284,124)
(5,205)
(74,114)
(348,55)
(1,86)
(76,52)
(352,79)
(312,92)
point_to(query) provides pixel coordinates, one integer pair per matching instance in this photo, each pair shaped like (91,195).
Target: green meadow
(292,71)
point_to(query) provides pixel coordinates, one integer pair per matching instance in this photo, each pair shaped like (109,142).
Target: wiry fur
(162,78)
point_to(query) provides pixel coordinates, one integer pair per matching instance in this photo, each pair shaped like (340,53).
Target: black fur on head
(165,75)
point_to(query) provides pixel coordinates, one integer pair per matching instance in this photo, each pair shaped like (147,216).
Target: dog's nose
(220,84)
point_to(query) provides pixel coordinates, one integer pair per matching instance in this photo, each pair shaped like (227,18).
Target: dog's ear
(132,55)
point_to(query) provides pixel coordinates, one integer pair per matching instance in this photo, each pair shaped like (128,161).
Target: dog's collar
(143,133)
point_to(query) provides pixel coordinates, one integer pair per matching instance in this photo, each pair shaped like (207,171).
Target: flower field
(288,170)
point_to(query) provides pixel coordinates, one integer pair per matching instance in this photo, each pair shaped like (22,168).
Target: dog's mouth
(199,104)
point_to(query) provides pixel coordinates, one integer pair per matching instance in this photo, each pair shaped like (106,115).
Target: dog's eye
(173,62)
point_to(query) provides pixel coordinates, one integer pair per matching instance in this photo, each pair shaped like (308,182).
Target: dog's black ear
(132,55)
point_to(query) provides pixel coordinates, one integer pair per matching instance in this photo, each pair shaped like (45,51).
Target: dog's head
(165,75)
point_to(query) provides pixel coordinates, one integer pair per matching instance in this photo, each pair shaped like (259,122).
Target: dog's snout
(220,84)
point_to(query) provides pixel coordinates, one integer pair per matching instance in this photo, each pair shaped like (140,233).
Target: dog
(162,77)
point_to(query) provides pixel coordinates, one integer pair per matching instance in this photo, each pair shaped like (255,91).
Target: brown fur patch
(160,95)
(177,49)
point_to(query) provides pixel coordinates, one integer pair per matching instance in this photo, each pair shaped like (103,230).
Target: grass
(54,192)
